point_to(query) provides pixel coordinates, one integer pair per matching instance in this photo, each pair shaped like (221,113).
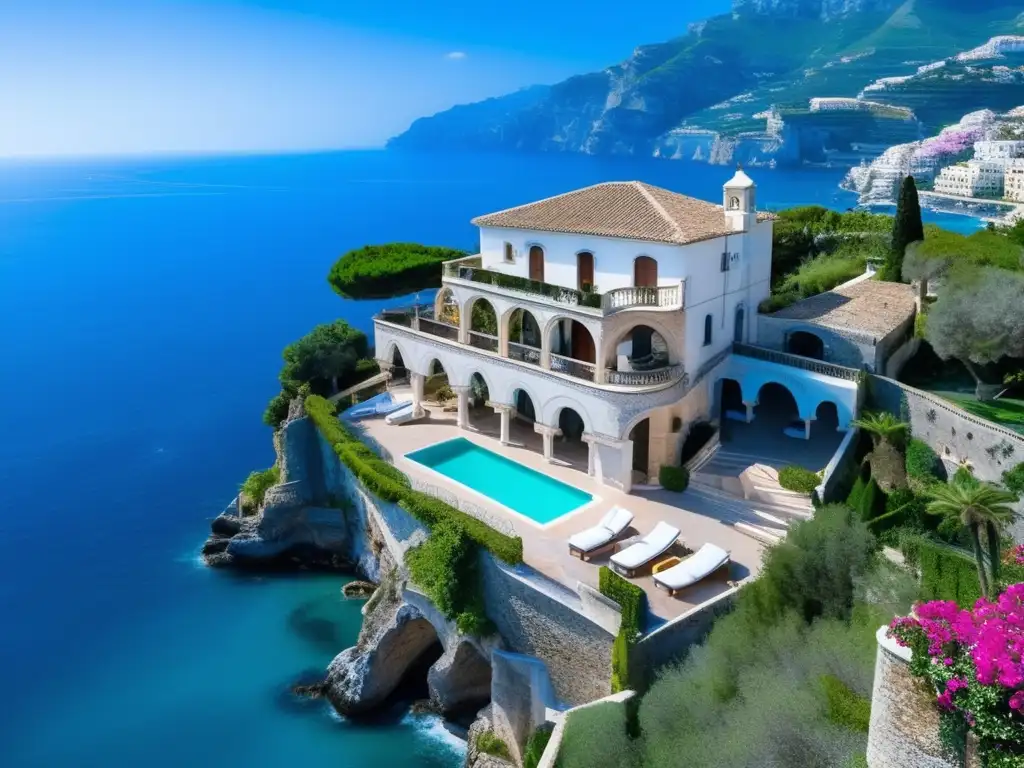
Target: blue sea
(143,307)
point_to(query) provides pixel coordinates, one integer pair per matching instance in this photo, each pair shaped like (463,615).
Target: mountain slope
(717,85)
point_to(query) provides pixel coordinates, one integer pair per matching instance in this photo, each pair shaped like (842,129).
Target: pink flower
(1017,701)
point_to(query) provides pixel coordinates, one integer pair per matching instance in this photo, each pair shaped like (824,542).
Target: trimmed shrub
(633,601)
(946,573)
(871,503)
(255,488)
(856,493)
(536,745)
(674,478)
(597,737)
(490,743)
(846,708)
(1013,479)
(798,479)
(393,269)
(923,464)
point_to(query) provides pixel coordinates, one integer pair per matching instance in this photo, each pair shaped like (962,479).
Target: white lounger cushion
(706,561)
(611,525)
(648,548)
(400,416)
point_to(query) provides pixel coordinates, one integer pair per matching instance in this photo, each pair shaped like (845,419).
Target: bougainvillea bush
(973,658)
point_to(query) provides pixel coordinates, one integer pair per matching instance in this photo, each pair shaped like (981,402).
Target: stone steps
(764,534)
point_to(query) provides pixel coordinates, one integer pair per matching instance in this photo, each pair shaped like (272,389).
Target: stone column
(417,380)
(626,470)
(462,392)
(750,411)
(505,412)
(548,434)
(465,320)
(545,351)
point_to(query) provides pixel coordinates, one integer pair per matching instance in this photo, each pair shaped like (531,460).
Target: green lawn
(1005,411)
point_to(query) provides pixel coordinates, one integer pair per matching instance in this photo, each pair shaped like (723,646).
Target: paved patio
(545,549)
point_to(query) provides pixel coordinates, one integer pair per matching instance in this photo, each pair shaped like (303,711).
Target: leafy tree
(883,427)
(978,320)
(976,506)
(907,228)
(326,358)
(886,458)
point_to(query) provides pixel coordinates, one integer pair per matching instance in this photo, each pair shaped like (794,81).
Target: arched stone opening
(460,681)
(641,348)
(446,307)
(525,409)
(640,434)
(826,419)
(479,414)
(570,446)
(436,386)
(524,336)
(739,332)
(645,272)
(572,349)
(777,408)
(483,324)
(805,344)
(398,369)
(730,401)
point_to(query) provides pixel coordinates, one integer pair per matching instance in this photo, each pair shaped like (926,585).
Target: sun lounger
(629,560)
(379,405)
(402,415)
(593,540)
(706,561)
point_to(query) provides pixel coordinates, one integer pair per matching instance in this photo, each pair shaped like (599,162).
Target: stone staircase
(744,491)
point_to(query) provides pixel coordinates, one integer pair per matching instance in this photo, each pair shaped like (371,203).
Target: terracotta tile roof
(869,306)
(627,209)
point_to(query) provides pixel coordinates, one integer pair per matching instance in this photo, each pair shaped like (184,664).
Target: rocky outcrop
(474,757)
(521,693)
(393,638)
(461,679)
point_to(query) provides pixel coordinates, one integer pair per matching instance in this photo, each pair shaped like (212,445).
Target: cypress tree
(907,228)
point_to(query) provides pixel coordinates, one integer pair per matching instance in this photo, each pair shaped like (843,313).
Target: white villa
(623,313)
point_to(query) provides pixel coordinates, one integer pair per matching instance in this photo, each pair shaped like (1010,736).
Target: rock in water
(359,589)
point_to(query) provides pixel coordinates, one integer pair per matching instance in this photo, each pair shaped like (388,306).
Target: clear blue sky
(127,76)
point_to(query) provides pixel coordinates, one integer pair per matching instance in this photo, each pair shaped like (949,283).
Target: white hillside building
(607,315)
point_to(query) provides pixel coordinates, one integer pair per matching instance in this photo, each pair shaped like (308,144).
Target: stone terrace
(700,519)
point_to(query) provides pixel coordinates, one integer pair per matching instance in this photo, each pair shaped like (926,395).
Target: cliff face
(745,86)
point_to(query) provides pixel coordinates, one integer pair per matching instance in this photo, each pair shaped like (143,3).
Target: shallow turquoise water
(521,489)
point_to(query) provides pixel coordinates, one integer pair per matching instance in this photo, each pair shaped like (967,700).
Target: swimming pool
(527,492)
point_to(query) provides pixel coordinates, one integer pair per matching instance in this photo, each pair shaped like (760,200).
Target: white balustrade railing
(643,378)
(524,353)
(572,367)
(662,296)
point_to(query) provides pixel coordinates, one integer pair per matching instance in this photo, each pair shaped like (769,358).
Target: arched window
(739,330)
(509,253)
(707,330)
(645,272)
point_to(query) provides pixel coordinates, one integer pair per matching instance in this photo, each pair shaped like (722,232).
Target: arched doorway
(398,369)
(645,272)
(525,409)
(483,325)
(446,308)
(570,446)
(641,349)
(805,344)
(436,387)
(572,349)
(777,409)
(826,419)
(480,416)
(731,407)
(739,332)
(585,271)
(641,437)
(524,337)
(537,263)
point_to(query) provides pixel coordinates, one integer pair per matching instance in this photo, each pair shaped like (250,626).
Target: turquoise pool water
(521,489)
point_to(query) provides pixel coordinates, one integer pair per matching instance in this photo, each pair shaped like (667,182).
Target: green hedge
(394,269)
(674,478)
(798,479)
(1013,479)
(633,601)
(923,463)
(445,566)
(946,574)
(516,283)
(846,708)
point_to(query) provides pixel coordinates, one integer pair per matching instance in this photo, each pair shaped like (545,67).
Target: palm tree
(882,426)
(887,463)
(976,505)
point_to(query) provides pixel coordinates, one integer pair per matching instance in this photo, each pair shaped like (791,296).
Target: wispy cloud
(455,55)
